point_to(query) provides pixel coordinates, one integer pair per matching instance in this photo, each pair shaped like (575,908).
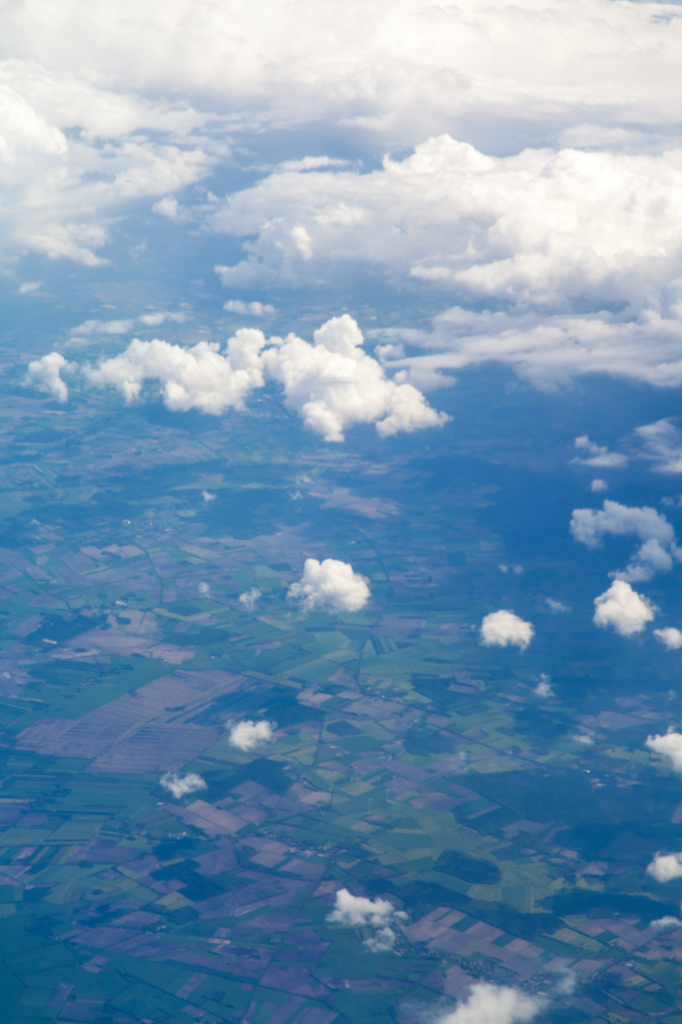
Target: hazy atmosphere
(341,518)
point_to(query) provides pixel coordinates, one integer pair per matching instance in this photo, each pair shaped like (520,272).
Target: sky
(512,171)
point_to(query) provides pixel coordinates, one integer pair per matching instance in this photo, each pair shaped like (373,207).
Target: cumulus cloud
(670,637)
(541,65)
(503,628)
(665,866)
(182,785)
(45,374)
(623,608)
(493,1004)
(669,746)
(598,456)
(249,598)
(659,547)
(544,687)
(359,911)
(74,151)
(598,485)
(248,735)
(543,228)
(668,922)
(331,384)
(331,585)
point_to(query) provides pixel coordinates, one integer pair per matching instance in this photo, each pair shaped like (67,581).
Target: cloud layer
(503,628)
(331,585)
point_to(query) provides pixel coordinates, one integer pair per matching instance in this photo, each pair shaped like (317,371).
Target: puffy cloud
(665,866)
(359,911)
(248,735)
(662,923)
(45,374)
(249,598)
(659,546)
(544,229)
(544,687)
(493,1004)
(332,384)
(199,377)
(599,456)
(670,637)
(500,629)
(73,152)
(598,485)
(669,746)
(330,584)
(181,785)
(623,608)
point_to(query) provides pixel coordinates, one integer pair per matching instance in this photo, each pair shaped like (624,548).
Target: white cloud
(598,485)
(543,229)
(45,374)
(359,911)
(248,308)
(208,497)
(557,606)
(493,1004)
(500,629)
(587,71)
(382,941)
(663,445)
(248,735)
(249,598)
(544,687)
(599,456)
(28,287)
(181,785)
(659,546)
(584,738)
(623,608)
(73,153)
(204,589)
(662,923)
(665,867)
(670,636)
(669,746)
(330,584)
(549,349)
(199,377)
(332,384)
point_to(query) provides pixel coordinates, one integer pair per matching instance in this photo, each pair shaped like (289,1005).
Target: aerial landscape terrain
(340,513)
